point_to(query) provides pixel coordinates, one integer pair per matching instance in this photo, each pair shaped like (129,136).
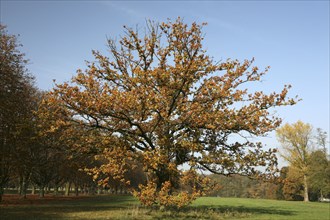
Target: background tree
(319,173)
(24,162)
(243,187)
(61,154)
(160,101)
(281,180)
(293,188)
(296,140)
(17,94)
(321,139)
(320,166)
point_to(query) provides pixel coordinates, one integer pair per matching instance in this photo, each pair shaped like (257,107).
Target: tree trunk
(67,188)
(76,190)
(306,199)
(23,191)
(1,192)
(42,192)
(19,189)
(23,187)
(56,190)
(33,189)
(321,194)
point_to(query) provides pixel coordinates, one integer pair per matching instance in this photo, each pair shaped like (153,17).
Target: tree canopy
(17,98)
(296,140)
(319,173)
(160,101)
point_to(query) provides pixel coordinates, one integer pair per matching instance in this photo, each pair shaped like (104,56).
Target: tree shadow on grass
(227,212)
(121,206)
(222,212)
(64,209)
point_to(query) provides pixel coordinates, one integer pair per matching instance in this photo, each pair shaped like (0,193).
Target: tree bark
(67,188)
(33,189)
(76,190)
(56,190)
(42,192)
(321,194)
(23,191)
(306,199)
(1,192)
(23,187)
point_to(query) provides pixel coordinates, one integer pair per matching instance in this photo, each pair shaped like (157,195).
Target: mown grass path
(127,207)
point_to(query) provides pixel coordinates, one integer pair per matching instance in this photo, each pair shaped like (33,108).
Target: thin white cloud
(123,8)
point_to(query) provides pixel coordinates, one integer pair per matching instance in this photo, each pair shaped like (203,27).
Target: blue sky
(290,36)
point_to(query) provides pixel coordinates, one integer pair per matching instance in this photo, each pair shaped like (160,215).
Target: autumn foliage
(160,102)
(17,101)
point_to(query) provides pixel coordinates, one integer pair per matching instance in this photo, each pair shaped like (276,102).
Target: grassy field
(127,207)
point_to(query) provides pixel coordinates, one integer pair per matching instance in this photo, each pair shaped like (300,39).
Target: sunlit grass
(127,207)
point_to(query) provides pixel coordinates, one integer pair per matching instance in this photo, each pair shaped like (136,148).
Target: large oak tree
(160,101)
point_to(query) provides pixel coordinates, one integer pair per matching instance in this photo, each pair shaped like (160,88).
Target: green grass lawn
(127,207)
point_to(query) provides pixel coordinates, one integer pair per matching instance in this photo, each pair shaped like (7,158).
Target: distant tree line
(29,157)
(306,178)
(289,185)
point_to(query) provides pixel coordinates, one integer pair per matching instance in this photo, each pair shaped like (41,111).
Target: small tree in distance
(319,173)
(161,102)
(296,140)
